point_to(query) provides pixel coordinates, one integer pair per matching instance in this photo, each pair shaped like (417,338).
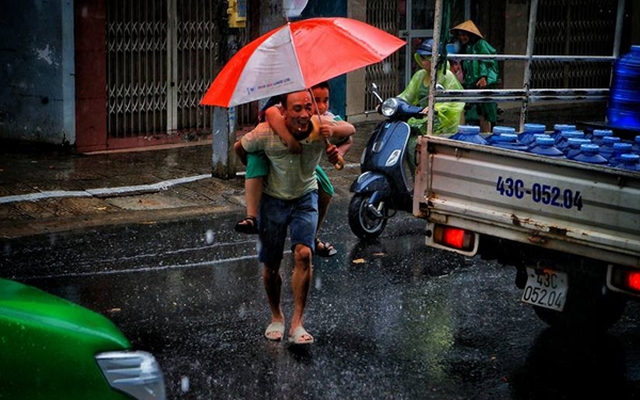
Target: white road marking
(101,191)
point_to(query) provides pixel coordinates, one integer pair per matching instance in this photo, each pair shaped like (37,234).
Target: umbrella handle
(340,164)
(316,134)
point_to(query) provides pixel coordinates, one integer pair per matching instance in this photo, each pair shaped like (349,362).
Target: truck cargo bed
(559,204)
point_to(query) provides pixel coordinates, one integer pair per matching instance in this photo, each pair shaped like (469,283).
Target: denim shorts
(299,215)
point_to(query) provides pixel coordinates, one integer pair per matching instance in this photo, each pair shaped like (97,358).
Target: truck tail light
(633,281)
(624,279)
(455,238)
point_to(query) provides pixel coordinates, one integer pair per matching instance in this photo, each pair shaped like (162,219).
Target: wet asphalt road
(392,319)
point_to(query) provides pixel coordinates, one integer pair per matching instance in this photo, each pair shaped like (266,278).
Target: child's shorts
(257,165)
(324,183)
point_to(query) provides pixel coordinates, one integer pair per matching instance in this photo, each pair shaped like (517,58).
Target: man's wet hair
(321,85)
(283,98)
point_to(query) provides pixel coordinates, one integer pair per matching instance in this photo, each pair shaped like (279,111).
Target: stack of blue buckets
(599,146)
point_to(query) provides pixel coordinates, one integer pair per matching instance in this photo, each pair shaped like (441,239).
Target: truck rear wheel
(590,306)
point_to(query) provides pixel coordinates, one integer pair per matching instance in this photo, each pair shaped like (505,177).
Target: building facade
(122,74)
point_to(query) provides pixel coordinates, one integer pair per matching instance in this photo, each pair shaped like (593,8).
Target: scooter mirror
(374,90)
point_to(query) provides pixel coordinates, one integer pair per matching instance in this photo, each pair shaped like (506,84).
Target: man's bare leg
(300,284)
(273,287)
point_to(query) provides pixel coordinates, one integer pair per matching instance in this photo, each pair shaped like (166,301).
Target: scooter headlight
(389,107)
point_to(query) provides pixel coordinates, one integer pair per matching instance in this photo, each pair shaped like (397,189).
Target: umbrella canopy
(296,57)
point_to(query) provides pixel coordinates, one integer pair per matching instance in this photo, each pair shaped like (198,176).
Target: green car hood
(23,306)
(48,346)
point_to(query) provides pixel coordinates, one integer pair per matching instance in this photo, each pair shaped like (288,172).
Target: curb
(21,229)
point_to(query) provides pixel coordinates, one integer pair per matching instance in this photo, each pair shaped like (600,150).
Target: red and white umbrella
(297,56)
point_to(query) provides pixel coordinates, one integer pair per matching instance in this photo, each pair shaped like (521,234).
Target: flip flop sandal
(248,225)
(275,331)
(327,249)
(300,336)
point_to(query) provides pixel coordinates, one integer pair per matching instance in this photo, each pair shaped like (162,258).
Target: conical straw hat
(467,26)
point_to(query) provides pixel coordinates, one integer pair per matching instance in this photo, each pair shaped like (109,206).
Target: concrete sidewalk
(45,190)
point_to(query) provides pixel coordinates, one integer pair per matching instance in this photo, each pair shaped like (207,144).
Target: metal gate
(161,57)
(412,20)
(548,93)
(383,14)
(577,27)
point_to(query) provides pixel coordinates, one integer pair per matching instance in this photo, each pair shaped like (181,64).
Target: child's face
(321,96)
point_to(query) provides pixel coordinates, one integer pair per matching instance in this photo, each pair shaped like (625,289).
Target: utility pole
(271,16)
(223,159)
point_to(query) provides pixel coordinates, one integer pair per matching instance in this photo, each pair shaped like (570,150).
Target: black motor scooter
(385,184)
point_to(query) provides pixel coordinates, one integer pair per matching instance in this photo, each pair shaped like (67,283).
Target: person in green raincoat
(478,74)
(448,114)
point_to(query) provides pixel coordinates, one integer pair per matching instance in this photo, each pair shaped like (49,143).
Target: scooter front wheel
(362,221)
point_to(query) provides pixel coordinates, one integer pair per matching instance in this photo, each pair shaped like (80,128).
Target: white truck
(571,229)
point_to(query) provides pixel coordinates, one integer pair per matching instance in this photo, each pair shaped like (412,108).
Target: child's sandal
(248,225)
(325,249)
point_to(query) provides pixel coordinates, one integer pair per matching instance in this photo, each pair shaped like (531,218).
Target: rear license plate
(546,288)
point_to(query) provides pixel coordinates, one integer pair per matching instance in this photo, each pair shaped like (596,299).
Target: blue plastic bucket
(630,162)
(546,146)
(530,129)
(623,110)
(469,133)
(508,141)
(589,153)
(573,147)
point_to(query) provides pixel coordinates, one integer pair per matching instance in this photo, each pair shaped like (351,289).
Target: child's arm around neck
(276,120)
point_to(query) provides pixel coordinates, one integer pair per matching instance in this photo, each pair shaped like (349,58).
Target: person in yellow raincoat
(448,114)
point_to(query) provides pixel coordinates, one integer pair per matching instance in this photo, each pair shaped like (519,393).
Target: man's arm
(333,154)
(240,151)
